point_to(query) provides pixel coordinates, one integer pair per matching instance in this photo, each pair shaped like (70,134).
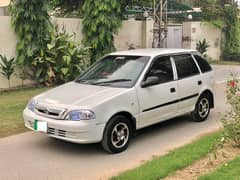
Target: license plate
(40,126)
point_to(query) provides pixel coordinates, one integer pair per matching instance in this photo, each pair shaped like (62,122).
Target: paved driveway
(223,73)
(35,156)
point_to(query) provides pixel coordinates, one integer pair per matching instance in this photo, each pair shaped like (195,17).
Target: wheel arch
(128,115)
(209,93)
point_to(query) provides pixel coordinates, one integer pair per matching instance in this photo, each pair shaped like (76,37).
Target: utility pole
(160,23)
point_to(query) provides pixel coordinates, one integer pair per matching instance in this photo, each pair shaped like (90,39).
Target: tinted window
(185,66)
(162,68)
(203,64)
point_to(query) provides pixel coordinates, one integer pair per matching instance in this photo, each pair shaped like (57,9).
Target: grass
(177,159)
(228,171)
(224,62)
(11,106)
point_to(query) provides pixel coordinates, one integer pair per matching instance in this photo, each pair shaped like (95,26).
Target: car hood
(76,94)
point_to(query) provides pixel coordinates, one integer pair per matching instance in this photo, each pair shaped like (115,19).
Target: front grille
(51,131)
(62,133)
(48,112)
(56,132)
(51,112)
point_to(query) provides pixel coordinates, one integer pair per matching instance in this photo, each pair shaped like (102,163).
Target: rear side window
(203,64)
(185,65)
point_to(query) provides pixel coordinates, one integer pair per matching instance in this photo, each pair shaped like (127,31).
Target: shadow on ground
(87,149)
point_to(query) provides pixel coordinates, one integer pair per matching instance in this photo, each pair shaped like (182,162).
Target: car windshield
(116,71)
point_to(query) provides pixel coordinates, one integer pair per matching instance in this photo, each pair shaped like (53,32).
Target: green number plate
(40,126)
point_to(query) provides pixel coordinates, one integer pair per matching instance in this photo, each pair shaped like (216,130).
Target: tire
(117,134)
(202,109)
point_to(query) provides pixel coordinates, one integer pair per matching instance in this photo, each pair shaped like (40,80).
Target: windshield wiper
(112,81)
(82,81)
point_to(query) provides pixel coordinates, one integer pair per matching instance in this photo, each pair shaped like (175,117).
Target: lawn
(11,107)
(177,159)
(228,171)
(221,62)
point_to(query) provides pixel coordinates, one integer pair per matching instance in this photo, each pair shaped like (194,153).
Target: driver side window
(162,68)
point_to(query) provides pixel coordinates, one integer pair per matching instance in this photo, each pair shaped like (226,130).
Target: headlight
(77,115)
(31,105)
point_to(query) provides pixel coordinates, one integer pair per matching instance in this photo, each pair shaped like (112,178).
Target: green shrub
(7,67)
(62,60)
(231,120)
(202,46)
(231,56)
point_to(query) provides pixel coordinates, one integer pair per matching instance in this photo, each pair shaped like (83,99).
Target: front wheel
(117,134)
(202,109)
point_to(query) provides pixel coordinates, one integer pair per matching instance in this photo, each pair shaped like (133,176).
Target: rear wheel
(202,108)
(117,134)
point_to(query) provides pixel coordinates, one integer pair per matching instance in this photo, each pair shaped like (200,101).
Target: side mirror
(150,81)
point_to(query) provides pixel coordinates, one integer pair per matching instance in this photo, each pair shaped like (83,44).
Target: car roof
(153,52)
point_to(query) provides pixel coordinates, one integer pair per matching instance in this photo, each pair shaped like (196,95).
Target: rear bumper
(82,132)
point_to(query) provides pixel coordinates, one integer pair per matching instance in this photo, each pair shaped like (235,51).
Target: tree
(65,8)
(232,45)
(214,10)
(223,14)
(101,21)
(32,26)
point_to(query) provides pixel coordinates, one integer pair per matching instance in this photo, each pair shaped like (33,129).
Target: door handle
(172,90)
(199,82)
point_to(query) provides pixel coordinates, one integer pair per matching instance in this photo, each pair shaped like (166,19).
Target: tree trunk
(9,83)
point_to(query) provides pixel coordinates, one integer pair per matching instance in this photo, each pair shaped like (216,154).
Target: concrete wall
(195,31)
(71,26)
(7,37)
(7,47)
(137,33)
(2,11)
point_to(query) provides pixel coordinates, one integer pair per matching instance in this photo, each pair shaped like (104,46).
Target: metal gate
(174,36)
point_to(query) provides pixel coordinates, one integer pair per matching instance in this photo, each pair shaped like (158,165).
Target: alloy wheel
(203,107)
(120,135)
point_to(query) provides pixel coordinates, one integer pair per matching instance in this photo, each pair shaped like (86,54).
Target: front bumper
(82,132)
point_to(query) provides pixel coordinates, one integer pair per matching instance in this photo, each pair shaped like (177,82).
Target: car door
(158,102)
(189,82)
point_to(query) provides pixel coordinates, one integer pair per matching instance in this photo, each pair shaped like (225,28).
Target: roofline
(153,52)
